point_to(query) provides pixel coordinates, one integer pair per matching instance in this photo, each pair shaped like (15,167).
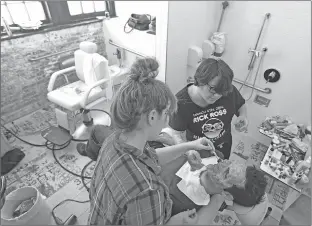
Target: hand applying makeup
(193,156)
(194,160)
(202,144)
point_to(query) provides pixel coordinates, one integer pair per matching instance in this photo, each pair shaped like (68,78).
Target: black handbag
(140,22)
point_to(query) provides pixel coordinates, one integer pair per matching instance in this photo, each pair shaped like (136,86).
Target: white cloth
(190,183)
(91,61)
(91,66)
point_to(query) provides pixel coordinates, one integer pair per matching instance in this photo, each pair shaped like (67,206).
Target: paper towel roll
(208,49)
(195,55)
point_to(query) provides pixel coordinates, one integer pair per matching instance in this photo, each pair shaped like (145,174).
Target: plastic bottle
(303,165)
(293,179)
(304,180)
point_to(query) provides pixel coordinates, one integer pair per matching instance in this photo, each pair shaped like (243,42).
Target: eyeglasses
(212,90)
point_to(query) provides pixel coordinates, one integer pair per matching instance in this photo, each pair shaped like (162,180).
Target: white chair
(95,85)
(251,215)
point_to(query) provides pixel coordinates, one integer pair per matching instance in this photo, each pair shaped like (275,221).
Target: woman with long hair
(126,187)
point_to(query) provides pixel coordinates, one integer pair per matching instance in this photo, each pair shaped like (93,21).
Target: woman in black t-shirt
(206,107)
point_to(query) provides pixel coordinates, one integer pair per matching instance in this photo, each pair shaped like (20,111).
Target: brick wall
(24,83)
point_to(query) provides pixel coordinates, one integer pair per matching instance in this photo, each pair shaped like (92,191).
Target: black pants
(98,134)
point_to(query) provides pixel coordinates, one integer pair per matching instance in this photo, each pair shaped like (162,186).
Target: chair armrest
(56,74)
(83,102)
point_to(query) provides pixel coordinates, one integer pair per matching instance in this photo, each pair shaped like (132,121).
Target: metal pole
(252,61)
(224,4)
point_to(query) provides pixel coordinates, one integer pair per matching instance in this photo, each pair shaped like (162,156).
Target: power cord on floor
(70,220)
(36,145)
(57,220)
(83,177)
(53,151)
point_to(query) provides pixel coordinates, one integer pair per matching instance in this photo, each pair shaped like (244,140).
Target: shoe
(81,148)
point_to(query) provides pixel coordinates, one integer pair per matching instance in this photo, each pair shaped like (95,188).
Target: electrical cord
(100,110)
(58,162)
(53,151)
(57,220)
(77,140)
(36,145)
(60,148)
(83,177)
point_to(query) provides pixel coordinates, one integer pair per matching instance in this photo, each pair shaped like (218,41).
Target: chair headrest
(88,47)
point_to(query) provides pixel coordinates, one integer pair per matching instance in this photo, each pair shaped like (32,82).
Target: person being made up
(245,185)
(206,107)
(126,187)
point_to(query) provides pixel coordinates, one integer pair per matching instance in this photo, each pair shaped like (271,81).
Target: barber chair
(94,86)
(252,215)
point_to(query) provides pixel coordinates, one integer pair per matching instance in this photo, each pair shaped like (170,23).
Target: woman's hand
(188,217)
(194,159)
(202,144)
(241,124)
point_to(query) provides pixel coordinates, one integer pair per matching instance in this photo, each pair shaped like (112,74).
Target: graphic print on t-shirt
(212,128)
(210,122)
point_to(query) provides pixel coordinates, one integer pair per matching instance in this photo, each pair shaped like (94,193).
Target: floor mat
(44,173)
(31,124)
(39,168)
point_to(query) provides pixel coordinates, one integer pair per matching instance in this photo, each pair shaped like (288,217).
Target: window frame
(57,13)
(45,10)
(60,14)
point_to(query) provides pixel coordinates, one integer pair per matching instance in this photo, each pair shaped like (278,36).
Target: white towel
(188,184)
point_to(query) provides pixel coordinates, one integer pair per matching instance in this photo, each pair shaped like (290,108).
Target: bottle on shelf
(303,165)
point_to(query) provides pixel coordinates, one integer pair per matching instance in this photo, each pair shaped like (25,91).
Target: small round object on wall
(272,75)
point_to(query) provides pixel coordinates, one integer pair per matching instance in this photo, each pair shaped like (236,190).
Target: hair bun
(144,69)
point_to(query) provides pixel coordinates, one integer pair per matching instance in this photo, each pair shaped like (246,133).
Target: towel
(190,184)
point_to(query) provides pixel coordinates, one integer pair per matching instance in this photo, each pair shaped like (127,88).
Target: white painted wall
(140,41)
(288,38)
(189,23)
(126,8)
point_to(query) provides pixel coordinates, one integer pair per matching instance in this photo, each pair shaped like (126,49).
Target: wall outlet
(262,100)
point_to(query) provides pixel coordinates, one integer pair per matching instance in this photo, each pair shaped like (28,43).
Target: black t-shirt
(213,121)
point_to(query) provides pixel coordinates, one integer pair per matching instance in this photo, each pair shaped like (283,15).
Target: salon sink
(119,74)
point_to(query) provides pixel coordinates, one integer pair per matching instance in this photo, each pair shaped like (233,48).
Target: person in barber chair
(244,185)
